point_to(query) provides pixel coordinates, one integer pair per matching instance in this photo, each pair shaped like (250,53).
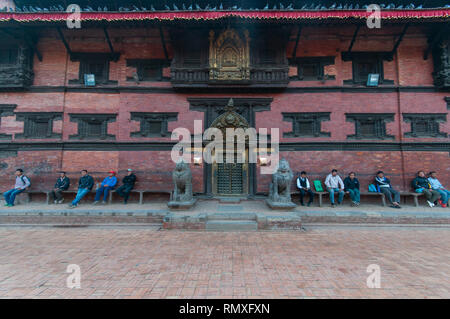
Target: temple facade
(103,89)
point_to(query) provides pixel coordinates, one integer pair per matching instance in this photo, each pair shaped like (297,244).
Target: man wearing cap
(108,184)
(127,185)
(62,184)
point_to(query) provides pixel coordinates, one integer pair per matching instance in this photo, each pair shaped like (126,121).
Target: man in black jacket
(62,184)
(420,184)
(304,187)
(128,184)
(85,185)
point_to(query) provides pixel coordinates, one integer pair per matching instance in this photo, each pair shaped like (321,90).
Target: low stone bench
(414,195)
(141,194)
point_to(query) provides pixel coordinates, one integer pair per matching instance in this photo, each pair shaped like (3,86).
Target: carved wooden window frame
(86,58)
(378,120)
(84,120)
(314,118)
(431,121)
(377,58)
(145,118)
(31,120)
(319,62)
(141,64)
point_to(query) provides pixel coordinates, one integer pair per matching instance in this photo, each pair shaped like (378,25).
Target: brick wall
(408,69)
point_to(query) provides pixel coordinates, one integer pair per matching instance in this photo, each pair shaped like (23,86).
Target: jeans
(10,196)
(431,194)
(104,191)
(80,194)
(124,191)
(445,195)
(303,193)
(388,192)
(354,195)
(335,190)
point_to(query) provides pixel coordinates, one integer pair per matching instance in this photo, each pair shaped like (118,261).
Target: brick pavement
(139,262)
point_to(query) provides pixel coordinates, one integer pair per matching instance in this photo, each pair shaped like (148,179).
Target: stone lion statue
(182,179)
(280,187)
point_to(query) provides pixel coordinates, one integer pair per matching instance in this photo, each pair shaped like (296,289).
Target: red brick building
(302,68)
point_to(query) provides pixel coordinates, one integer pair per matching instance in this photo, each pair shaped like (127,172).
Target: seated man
(436,185)
(384,186)
(62,184)
(22,183)
(351,186)
(108,184)
(85,185)
(334,184)
(420,184)
(127,185)
(304,187)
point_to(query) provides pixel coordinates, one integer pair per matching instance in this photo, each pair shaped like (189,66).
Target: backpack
(23,180)
(373,188)
(318,186)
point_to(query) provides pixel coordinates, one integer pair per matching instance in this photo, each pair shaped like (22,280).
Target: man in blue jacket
(107,185)
(85,185)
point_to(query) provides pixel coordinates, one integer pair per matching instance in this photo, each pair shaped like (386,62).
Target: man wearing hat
(108,184)
(127,185)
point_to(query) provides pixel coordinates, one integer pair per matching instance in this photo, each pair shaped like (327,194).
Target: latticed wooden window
(92,126)
(370,125)
(306,124)
(153,124)
(425,124)
(38,124)
(9,55)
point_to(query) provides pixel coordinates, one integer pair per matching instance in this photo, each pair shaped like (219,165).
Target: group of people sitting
(85,185)
(434,191)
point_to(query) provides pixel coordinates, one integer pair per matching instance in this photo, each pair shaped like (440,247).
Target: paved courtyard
(145,262)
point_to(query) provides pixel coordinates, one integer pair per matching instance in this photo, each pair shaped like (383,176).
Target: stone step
(231,225)
(231,216)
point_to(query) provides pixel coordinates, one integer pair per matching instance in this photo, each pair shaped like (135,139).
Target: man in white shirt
(22,183)
(334,184)
(304,187)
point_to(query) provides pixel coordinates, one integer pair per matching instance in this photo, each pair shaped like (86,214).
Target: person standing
(420,184)
(334,184)
(305,188)
(62,184)
(85,184)
(22,183)
(436,185)
(384,186)
(351,186)
(127,185)
(107,185)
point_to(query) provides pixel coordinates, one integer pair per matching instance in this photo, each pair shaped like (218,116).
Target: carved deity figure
(280,188)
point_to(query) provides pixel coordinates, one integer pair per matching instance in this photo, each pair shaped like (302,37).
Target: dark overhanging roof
(176,5)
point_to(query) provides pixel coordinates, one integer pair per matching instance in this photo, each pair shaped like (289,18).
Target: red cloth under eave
(214,15)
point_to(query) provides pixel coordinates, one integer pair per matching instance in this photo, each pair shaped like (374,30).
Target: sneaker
(95,203)
(6,205)
(332,205)
(72,206)
(55,202)
(430,203)
(61,201)
(103,203)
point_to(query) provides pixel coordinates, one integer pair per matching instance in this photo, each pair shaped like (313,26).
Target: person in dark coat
(127,185)
(384,186)
(351,186)
(420,184)
(62,184)
(85,184)
(304,187)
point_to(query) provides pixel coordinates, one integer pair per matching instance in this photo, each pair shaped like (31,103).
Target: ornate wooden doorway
(230,179)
